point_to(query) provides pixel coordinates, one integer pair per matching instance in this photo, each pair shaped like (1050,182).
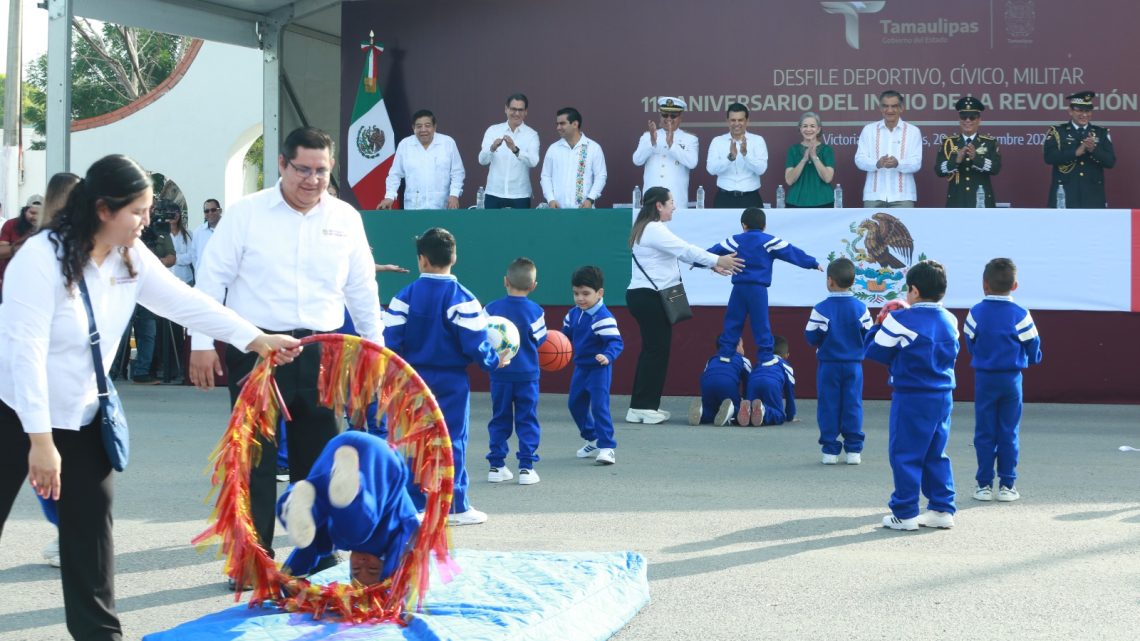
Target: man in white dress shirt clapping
(737,159)
(511,149)
(890,151)
(668,153)
(429,164)
(574,168)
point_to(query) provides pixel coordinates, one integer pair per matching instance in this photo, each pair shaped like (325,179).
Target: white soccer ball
(503,337)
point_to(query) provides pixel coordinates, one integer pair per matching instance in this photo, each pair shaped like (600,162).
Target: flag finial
(371,35)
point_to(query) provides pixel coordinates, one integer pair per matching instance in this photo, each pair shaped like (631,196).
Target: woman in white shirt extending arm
(48,394)
(658,250)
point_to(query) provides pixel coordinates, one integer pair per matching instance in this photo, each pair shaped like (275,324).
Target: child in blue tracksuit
(836,329)
(919,346)
(1003,340)
(438,327)
(749,297)
(721,383)
(355,498)
(593,332)
(514,388)
(770,397)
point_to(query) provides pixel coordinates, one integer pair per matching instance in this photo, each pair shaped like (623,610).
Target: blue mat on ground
(498,595)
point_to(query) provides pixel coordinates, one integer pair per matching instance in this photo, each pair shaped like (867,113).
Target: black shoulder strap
(635,262)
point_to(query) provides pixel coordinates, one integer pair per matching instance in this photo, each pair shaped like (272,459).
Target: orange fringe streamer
(353,372)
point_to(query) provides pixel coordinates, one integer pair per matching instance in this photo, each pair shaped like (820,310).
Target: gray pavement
(747,535)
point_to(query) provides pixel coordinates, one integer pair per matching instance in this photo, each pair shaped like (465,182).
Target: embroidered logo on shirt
(124,280)
(338,233)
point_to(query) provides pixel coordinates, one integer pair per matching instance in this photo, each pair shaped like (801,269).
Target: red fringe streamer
(353,373)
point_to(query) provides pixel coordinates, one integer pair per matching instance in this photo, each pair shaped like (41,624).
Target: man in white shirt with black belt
(737,159)
(668,153)
(890,151)
(290,257)
(574,168)
(429,164)
(511,149)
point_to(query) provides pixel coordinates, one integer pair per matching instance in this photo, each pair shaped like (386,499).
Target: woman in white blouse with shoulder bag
(50,425)
(656,252)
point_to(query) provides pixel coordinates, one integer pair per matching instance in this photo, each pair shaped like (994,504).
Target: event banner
(780,58)
(1066,260)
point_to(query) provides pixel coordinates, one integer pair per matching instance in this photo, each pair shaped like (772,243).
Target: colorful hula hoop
(353,373)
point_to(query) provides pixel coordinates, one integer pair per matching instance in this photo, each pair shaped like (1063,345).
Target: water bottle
(780,197)
(636,197)
(701,197)
(480,198)
(839,196)
(1060,196)
(980,200)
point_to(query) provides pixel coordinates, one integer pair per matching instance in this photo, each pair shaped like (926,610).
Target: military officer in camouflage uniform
(1079,153)
(969,159)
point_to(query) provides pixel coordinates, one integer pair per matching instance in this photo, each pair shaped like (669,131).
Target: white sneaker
(588,450)
(894,523)
(854,458)
(500,474)
(830,459)
(724,413)
(51,553)
(668,415)
(649,417)
(932,518)
(984,493)
(344,480)
(297,515)
(696,408)
(528,477)
(605,456)
(470,517)
(757,412)
(1007,494)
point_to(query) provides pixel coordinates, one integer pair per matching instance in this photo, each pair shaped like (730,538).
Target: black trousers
(737,199)
(312,427)
(494,202)
(86,546)
(656,340)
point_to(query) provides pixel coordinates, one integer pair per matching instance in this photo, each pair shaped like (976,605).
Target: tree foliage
(25,99)
(112,66)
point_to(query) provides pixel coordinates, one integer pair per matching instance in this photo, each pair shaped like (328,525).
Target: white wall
(192,134)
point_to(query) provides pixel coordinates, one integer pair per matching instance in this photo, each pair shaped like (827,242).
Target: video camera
(161,214)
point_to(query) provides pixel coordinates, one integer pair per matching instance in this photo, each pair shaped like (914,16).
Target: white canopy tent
(298,39)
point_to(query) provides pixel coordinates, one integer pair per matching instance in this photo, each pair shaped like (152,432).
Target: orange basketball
(556,352)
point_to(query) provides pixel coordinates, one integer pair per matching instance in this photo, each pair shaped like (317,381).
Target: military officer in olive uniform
(1079,153)
(668,153)
(969,159)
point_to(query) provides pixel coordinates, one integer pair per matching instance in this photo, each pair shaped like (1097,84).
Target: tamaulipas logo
(850,12)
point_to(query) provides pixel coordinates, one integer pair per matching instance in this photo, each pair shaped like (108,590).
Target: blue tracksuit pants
(997,420)
(590,404)
(514,408)
(919,431)
(715,388)
(747,300)
(772,395)
(840,407)
(453,393)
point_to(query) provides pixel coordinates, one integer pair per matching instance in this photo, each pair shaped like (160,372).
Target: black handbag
(673,299)
(113,425)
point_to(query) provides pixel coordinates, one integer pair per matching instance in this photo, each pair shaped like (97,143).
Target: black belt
(295,333)
(738,194)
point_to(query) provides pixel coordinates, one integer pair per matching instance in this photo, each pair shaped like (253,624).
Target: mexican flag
(371,141)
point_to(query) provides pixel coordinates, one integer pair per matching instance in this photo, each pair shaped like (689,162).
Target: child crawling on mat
(355,498)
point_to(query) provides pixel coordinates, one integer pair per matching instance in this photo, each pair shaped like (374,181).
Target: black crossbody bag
(673,299)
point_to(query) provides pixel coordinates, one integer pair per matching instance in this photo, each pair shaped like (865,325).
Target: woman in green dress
(810,167)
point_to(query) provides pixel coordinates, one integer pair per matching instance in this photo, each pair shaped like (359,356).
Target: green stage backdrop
(558,241)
